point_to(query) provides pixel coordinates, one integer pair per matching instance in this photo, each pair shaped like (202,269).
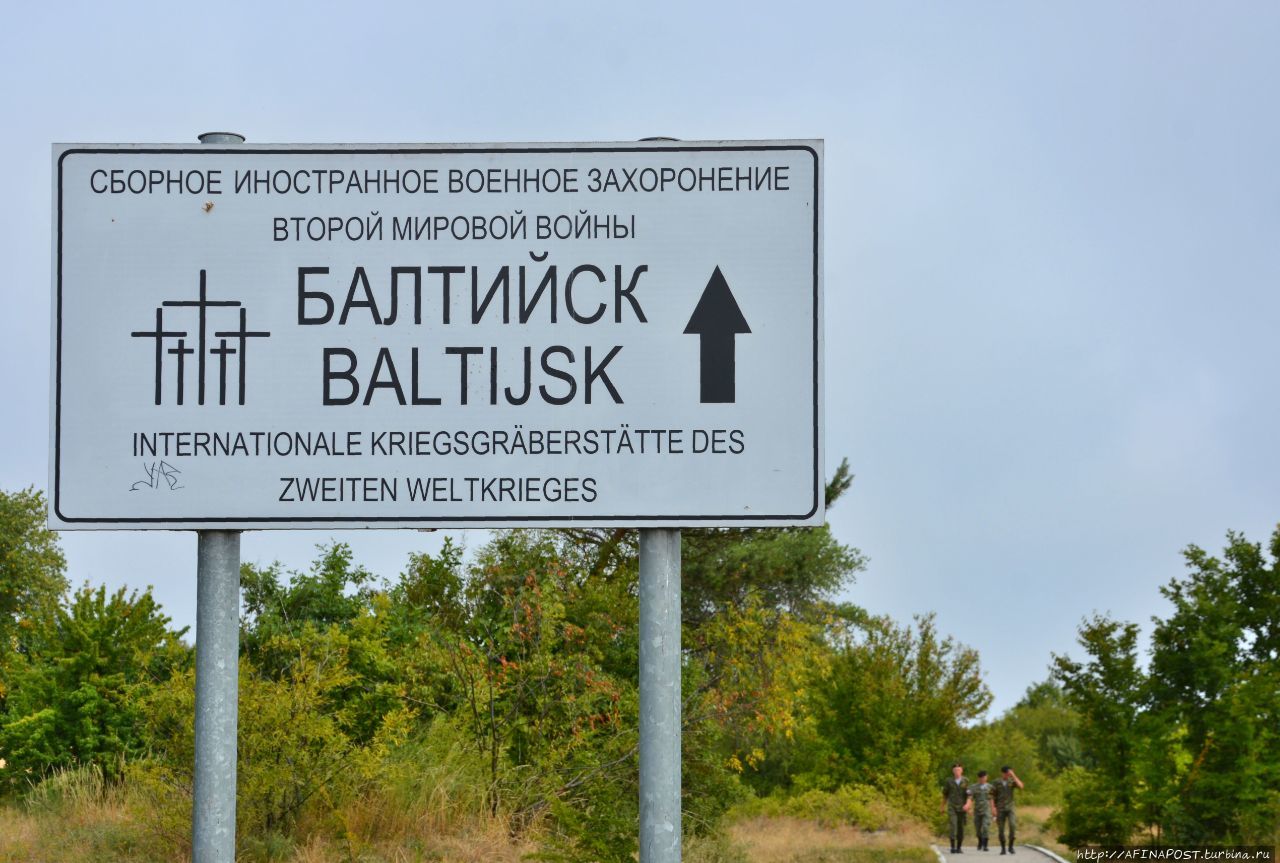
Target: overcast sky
(1052,254)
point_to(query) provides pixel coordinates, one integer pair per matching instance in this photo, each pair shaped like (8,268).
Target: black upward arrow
(717,319)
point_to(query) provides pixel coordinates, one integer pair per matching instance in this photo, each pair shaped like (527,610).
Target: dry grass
(458,848)
(76,816)
(102,828)
(108,832)
(19,834)
(794,840)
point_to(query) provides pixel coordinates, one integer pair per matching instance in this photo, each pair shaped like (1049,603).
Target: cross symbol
(160,334)
(181,352)
(203,304)
(243,334)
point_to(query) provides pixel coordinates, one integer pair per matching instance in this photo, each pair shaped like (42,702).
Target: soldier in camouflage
(955,796)
(1005,786)
(983,805)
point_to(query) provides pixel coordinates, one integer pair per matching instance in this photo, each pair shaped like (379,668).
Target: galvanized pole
(213,821)
(660,695)
(213,817)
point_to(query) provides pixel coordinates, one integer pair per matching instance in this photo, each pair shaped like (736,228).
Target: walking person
(983,805)
(1005,786)
(955,796)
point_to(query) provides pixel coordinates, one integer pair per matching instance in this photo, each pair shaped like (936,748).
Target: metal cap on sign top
(221,138)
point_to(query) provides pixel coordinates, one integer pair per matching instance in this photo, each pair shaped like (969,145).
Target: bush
(433,783)
(1087,815)
(71,691)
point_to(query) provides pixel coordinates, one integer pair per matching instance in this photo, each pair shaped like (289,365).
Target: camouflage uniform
(981,796)
(1004,809)
(956,792)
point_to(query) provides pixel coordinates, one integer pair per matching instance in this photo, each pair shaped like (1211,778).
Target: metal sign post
(660,695)
(213,815)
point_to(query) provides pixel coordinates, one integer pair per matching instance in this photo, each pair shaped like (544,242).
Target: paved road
(1034,853)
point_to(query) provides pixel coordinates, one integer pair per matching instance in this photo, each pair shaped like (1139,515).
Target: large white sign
(405,336)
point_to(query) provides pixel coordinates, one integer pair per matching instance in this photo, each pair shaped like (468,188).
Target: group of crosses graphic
(226,343)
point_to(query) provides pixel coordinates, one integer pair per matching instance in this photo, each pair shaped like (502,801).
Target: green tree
(334,606)
(32,567)
(1214,666)
(73,691)
(536,658)
(293,749)
(1188,747)
(334,590)
(895,694)
(1039,736)
(1046,716)
(1109,693)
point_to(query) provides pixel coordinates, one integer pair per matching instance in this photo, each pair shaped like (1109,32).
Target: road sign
(448,335)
